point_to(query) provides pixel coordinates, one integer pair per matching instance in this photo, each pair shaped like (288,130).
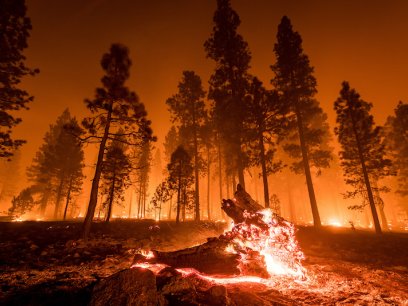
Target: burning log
(260,244)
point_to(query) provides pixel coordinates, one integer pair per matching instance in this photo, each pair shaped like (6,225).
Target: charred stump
(212,257)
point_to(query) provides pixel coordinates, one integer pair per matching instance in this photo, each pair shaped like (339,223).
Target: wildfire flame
(273,245)
(277,245)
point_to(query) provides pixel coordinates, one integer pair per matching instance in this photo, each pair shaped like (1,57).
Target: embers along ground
(43,263)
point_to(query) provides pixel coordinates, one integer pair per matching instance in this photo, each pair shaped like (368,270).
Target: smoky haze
(361,41)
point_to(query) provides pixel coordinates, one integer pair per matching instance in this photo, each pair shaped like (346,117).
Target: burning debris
(260,247)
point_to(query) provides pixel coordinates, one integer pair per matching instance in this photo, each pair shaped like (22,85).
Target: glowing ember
(267,251)
(276,244)
(147,254)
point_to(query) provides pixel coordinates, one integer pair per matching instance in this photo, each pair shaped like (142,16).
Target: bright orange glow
(335,222)
(277,245)
(274,245)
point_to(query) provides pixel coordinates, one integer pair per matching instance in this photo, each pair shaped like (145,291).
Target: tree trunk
(111,195)
(306,166)
(95,182)
(383,218)
(240,166)
(130,204)
(366,179)
(208,183)
(264,173)
(380,205)
(59,196)
(170,207)
(68,198)
(178,196)
(220,174)
(228,185)
(139,202)
(183,211)
(196,170)
(44,202)
(143,200)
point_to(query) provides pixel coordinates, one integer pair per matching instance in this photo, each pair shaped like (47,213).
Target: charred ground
(43,263)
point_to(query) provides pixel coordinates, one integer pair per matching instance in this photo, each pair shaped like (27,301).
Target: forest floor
(44,263)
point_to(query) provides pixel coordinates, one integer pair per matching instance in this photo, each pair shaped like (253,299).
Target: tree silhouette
(57,168)
(208,138)
(265,125)
(162,194)
(114,105)
(188,110)
(228,83)
(116,170)
(397,143)
(296,85)
(181,178)
(362,155)
(15,29)
(68,159)
(22,203)
(143,158)
(171,142)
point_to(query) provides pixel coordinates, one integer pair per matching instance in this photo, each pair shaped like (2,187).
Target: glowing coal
(259,247)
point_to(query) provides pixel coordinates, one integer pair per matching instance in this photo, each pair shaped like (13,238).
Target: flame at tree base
(265,246)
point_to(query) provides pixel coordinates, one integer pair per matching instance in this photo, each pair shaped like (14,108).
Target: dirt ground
(44,263)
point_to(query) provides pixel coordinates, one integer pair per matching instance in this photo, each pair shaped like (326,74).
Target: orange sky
(364,42)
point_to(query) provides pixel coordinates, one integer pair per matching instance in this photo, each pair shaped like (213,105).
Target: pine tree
(396,136)
(57,168)
(15,29)
(208,138)
(296,85)
(228,84)
(143,158)
(162,194)
(22,203)
(114,105)
(181,178)
(68,162)
(116,169)
(171,142)
(362,155)
(188,110)
(265,125)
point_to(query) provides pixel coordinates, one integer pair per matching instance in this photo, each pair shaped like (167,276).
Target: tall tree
(116,170)
(15,29)
(229,81)
(188,110)
(114,105)
(171,142)
(56,170)
(180,178)
(208,138)
(68,162)
(396,132)
(143,158)
(265,126)
(362,155)
(296,85)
